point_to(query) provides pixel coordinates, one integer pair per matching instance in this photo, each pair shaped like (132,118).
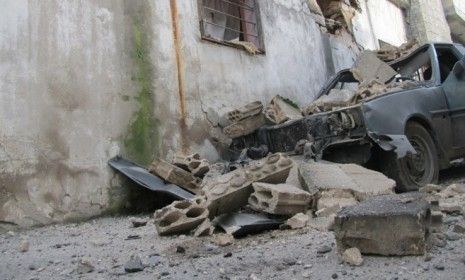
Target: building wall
(455,15)
(67,96)
(428,22)
(82,81)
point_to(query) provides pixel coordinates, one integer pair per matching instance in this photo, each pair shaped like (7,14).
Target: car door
(454,90)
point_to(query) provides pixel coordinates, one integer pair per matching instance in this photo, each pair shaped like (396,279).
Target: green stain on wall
(142,141)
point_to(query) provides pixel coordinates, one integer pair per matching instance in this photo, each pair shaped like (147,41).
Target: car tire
(413,171)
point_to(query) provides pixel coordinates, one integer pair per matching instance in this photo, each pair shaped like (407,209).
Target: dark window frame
(203,22)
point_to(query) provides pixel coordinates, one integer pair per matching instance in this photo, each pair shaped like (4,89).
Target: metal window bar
(232,29)
(245,6)
(229,15)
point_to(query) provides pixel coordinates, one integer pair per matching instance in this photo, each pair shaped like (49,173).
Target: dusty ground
(107,243)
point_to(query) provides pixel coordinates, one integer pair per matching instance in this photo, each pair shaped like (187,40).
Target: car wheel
(414,170)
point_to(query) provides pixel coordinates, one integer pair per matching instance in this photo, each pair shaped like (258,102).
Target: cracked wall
(67,97)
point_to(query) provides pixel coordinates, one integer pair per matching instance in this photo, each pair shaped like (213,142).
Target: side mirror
(459,68)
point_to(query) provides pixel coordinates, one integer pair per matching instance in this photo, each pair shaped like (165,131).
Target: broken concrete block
(180,216)
(385,225)
(322,224)
(273,169)
(204,229)
(281,199)
(247,111)
(331,201)
(176,175)
(360,182)
(314,7)
(245,126)
(223,240)
(215,170)
(231,191)
(281,110)
(369,67)
(228,192)
(192,163)
(336,98)
(297,221)
(352,256)
(452,191)
(451,208)
(293,177)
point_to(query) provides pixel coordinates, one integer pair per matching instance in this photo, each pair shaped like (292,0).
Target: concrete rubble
(280,199)
(297,221)
(180,216)
(244,120)
(192,163)
(231,191)
(389,225)
(369,67)
(281,110)
(176,175)
(391,53)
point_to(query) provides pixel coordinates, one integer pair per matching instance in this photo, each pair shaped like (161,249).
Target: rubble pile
(388,54)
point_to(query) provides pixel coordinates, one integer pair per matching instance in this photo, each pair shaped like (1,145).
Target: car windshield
(415,68)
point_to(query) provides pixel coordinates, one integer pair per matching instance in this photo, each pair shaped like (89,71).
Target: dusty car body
(409,131)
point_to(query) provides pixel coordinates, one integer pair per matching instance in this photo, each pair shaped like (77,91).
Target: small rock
(224,240)
(204,229)
(138,222)
(299,220)
(165,273)
(453,236)
(84,266)
(211,247)
(353,257)
(324,249)
(439,266)
(134,264)
(32,267)
(306,274)
(334,276)
(228,255)
(180,250)
(459,228)
(428,257)
(289,261)
(253,277)
(24,246)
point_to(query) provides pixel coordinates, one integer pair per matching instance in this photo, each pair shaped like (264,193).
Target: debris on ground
(84,266)
(352,256)
(176,175)
(281,110)
(134,264)
(138,222)
(180,216)
(24,246)
(223,240)
(297,221)
(385,225)
(279,199)
(391,53)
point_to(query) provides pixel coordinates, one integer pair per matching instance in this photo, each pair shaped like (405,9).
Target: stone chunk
(336,98)
(299,220)
(281,110)
(223,240)
(24,246)
(281,199)
(369,67)
(192,163)
(361,182)
(205,229)
(180,216)
(385,225)
(231,191)
(175,175)
(247,111)
(352,256)
(245,126)
(134,264)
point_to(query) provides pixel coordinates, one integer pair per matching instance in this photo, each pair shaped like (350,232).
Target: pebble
(134,264)
(180,250)
(439,266)
(84,266)
(24,246)
(334,276)
(228,255)
(324,249)
(137,222)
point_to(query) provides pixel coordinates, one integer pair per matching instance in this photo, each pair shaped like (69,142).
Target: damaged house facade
(84,81)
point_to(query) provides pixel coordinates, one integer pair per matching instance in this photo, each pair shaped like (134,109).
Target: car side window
(416,68)
(447,59)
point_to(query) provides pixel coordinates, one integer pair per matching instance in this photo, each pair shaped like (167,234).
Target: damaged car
(405,118)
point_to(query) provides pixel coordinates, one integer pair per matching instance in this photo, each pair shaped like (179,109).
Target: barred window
(231,22)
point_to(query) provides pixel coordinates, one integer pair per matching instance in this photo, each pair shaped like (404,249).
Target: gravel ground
(56,252)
